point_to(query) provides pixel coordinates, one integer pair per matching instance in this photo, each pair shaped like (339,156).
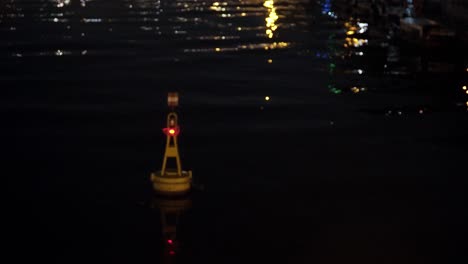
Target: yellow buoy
(172,181)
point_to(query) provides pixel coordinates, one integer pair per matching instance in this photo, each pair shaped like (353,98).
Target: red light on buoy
(169,241)
(171,131)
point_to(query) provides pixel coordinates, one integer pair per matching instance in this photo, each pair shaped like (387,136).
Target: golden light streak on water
(271,18)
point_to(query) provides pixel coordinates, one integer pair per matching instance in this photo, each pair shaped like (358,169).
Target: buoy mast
(172,181)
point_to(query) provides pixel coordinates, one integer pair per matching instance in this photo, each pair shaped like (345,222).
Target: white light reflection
(216,6)
(144,28)
(362,27)
(217,37)
(62,3)
(57,20)
(91,20)
(266,46)
(355,27)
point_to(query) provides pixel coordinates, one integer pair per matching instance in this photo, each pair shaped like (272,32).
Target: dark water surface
(359,155)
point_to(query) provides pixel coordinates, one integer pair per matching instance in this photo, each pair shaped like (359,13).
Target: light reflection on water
(62,3)
(171,210)
(181,26)
(344,46)
(271,18)
(369,53)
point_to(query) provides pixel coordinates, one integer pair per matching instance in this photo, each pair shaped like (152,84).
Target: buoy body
(169,184)
(172,181)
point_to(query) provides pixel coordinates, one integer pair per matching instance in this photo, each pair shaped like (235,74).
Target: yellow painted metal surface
(172,184)
(172,180)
